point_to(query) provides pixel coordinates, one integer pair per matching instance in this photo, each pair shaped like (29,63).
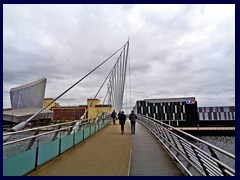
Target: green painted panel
(97,126)
(93,129)
(66,142)
(102,124)
(86,132)
(48,151)
(79,137)
(19,164)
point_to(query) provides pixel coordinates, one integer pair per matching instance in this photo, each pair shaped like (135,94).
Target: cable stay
(21,125)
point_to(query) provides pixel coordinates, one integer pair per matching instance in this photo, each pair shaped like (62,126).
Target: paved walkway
(106,153)
(148,158)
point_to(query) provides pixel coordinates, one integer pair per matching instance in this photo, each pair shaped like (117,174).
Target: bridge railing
(185,150)
(28,149)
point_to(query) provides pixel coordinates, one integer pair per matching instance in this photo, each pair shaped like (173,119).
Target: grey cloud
(175,50)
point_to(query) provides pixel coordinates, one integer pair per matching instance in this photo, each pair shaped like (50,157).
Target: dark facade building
(171,110)
(185,112)
(217,113)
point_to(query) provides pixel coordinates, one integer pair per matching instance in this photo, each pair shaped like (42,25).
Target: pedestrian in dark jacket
(114,115)
(119,113)
(133,118)
(122,120)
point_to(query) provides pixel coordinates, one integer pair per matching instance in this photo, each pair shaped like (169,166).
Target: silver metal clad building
(26,100)
(29,95)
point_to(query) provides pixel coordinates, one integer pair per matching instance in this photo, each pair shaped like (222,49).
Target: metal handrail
(186,153)
(38,135)
(39,128)
(71,125)
(193,137)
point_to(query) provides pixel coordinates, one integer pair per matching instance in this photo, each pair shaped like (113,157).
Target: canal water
(226,143)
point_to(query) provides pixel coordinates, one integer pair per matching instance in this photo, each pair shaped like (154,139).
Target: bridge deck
(108,153)
(148,158)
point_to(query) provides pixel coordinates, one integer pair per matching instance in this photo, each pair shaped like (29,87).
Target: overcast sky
(175,50)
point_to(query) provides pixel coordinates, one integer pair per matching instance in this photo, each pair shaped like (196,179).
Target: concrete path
(148,158)
(106,153)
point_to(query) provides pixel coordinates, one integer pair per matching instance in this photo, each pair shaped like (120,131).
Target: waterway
(226,143)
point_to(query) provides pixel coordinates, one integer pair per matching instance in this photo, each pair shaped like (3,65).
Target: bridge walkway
(148,158)
(108,153)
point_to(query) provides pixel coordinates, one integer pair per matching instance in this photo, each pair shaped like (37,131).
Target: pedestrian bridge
(99,149)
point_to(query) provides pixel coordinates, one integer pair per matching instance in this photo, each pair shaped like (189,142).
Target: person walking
(133,118)
(122,119)
(119,113)
(113,115)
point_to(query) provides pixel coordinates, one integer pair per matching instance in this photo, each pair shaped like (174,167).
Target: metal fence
(24,151)
(192,159)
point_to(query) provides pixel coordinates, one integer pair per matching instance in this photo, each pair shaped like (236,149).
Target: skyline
(175,50)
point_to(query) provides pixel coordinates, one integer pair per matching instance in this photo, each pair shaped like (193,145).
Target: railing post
(215,156)
(60,141)
(95,127)
(56,133)
(83,131)
(32,140)
(74,138)
(90,129)
(200,161)
(36,158)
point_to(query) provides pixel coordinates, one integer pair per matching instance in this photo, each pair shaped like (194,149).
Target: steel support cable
(120,76)
(124,74)
(123,81)
(111,85)
(96,94)
(110,91)
(100,87)
(117,80)
(117,90)
(118,84)
(23,124)
(105,97)
(115,84)
(129,73)
(125,66)
(113,90)
(128,57)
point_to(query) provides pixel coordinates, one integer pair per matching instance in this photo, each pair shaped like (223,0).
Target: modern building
(217,116)
(26,100)
(30,95)
(216,113)
(174,111)
(185,112)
